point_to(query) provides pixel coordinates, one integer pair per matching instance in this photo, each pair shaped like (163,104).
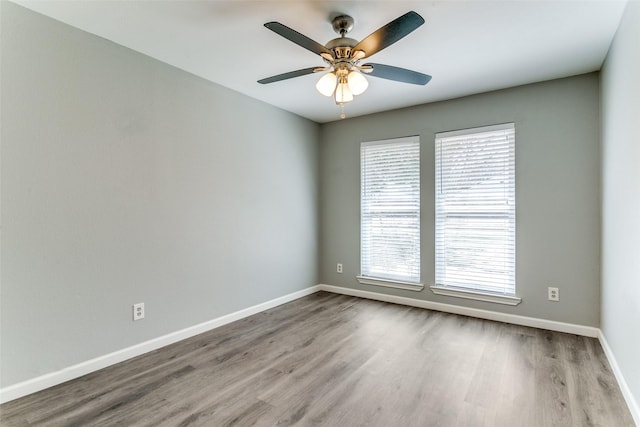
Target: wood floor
(333,360)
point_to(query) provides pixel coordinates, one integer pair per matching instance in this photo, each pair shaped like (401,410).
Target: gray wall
(557,192)
(126,180)
(621,197)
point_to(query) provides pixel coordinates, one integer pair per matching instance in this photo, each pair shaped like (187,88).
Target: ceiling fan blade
(390,33)
(297,38)
(289,75)
(398,74)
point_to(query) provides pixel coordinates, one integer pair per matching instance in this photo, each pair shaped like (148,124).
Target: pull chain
(342,115)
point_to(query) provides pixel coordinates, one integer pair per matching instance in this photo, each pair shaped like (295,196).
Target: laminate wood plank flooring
(334,360)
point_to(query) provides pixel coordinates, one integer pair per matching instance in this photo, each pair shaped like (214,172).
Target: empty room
(330,213)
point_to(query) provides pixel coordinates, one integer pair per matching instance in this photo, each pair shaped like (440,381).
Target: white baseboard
(551,325)
(624,387)
(54,378)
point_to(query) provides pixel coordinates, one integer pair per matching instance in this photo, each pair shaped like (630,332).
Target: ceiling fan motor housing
(341,47)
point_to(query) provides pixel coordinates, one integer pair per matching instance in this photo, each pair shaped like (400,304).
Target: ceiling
(467,46)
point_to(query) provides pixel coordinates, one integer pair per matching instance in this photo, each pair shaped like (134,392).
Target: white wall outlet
(138,311)
(339,268)
(553,294)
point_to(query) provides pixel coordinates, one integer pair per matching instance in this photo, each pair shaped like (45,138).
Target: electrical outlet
(339,268)
(138,311)
(553,294)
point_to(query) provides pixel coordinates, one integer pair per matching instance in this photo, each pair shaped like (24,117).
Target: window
(476,213)
(390,213)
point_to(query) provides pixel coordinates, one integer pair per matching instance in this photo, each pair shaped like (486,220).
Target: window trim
(486,296)
(387,283)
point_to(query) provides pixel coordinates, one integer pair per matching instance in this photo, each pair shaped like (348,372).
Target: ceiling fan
(344,77)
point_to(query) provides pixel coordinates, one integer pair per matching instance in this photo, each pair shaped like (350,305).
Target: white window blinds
(475,209)
(390,209)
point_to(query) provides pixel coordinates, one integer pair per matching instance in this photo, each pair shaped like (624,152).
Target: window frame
(470,213)
(393,280)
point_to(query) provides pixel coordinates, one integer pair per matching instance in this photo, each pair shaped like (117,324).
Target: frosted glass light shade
(343,93)
(327,84)
(357,82)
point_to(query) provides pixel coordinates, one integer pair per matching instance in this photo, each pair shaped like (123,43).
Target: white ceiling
(467,46)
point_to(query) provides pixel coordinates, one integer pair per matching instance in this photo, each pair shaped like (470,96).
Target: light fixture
(327,84)
(357,83)
(343,92)
(343,83)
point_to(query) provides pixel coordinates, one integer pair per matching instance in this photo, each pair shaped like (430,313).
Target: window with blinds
(390,209)
(475,209)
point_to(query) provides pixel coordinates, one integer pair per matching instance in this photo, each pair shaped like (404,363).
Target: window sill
(476,295)
(390,283)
